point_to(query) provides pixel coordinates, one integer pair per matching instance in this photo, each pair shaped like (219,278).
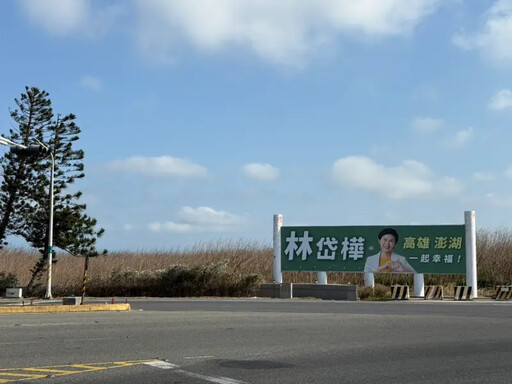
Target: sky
(202,119)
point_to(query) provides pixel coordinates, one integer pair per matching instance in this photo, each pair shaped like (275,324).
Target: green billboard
(439,249)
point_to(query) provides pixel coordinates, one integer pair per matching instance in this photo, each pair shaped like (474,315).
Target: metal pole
(50,233)
(278,223)
(85,278)
(471,272)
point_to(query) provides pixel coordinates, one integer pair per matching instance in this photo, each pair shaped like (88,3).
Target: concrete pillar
(419,285)
(321,278)
(369,280)
(277,274)
(471,271)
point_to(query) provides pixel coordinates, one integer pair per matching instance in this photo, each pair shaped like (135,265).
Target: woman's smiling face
(387,243)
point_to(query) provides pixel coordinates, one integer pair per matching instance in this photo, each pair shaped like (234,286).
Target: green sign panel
(377,249)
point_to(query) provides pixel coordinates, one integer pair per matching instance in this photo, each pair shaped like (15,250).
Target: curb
(64,308)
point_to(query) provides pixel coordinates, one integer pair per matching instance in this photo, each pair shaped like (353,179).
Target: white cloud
(508,172)
(64,17)
(262,172)
(282,32)
(499,201)
(461,138)
(411,179)
(170,227)
(502,100)
(91,82)
(495,40)
(127,227)
(483,176)
(163,166)
(427,124)
(209,217)
(200,219)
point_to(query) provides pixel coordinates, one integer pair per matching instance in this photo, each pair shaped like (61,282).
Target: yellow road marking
(51,370)
(17,374)
(87,368)
(30,376)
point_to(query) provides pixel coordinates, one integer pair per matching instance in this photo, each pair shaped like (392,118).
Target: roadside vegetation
(224,269)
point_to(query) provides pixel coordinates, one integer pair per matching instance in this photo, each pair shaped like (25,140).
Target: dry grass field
(242,265)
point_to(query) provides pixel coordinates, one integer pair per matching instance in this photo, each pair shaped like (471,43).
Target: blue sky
(202,119)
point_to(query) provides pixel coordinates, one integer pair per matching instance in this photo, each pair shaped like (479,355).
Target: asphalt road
(263,341)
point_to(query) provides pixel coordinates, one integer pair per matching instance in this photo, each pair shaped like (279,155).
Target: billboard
(439,249)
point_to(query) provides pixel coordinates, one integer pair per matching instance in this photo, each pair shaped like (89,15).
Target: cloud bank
(282,32)
(200,219)
(65,17)
(495,39)
(262,172)
(159,167)
(459,139)
(502,100)
(427,124)
(411,179)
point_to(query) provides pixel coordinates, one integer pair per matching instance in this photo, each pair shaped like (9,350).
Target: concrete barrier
(434,292)
(14,293)
(462,292)
(503,292)
(400,292)
(275,291)
(326,291)
(72,300)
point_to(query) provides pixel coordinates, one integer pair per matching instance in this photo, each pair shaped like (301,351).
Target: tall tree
(32,116)
(73,230)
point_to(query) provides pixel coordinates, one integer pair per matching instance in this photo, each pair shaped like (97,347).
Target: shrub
(379,292)
(212,279)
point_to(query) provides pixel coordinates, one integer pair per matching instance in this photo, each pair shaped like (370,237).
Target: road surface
(263,341)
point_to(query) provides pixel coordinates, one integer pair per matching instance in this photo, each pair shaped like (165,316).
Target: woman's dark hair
(389,231)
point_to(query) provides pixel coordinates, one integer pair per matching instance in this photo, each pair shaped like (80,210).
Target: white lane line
(92,339)
(212,379)
(199,357)
(162,364)
(52,324)
(64,340)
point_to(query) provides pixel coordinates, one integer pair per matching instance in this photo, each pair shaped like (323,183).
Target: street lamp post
(48,294)
(24,150)
(12,144)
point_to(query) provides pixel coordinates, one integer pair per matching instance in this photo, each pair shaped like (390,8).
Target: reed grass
(248,262)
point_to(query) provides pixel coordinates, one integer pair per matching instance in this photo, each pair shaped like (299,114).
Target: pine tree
(32,117)
(73,230)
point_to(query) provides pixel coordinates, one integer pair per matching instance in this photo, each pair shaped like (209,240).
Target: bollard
(31,301)
(113,300)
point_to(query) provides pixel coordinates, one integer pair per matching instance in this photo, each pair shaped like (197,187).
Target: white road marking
(199,357)
(162,364)
(92,339)
(53,324)
(212,379)
(18,342)
(64,340)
